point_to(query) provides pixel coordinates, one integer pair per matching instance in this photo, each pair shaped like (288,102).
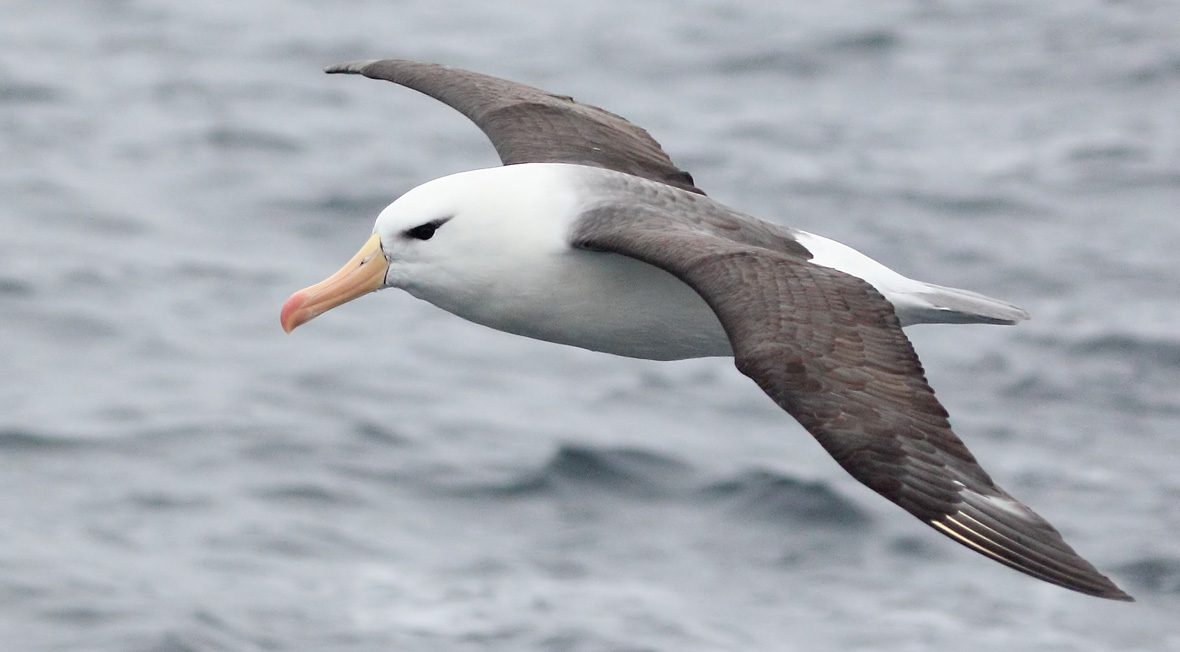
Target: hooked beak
(361,275)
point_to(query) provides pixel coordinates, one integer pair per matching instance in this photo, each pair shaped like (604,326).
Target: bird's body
(513,270)
(590,236)
(514,267)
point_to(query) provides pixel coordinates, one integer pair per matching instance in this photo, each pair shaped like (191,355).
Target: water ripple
(1155,574)
(29,93)
(620,471)
(307,494)
(1126,346)
(771,496)
(13,439)
(231,138)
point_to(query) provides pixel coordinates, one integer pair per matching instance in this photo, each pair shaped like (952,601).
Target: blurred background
(177,474)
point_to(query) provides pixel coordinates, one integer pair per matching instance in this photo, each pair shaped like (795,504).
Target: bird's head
(441,241)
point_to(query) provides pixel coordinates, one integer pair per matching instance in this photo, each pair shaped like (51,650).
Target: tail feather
(915,302)
(935,304)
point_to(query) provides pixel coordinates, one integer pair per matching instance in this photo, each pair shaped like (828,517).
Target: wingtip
(1009,532)
(1018,315)
(349,67)
(1118,594)
(1106,589)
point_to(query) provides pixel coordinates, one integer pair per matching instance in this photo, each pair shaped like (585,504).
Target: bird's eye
(424,231)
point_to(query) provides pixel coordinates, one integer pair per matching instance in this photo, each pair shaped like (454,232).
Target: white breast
(504,261)
(611,303)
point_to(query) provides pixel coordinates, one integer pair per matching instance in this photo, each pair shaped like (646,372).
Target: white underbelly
(602,302)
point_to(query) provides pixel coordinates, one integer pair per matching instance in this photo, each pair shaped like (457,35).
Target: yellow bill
(359,276)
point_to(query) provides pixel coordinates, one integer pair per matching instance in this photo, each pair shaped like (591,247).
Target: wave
(791,63)
(1154,574)
(164,501)
(304,493)
(624,471)
(967,203)
(812,59)
(376,433)
(17,439)
(1123,346)
(15,287)
(233,138)
(12,92)
(771,496)
(637,474)
(870,42)
(356,205)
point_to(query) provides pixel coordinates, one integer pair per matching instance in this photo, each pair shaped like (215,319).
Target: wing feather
(529,125)
(829,349)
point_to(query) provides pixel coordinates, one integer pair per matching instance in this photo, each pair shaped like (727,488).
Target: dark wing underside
(828,348)
(528,125)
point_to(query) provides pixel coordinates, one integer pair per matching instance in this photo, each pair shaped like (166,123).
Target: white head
(447,240)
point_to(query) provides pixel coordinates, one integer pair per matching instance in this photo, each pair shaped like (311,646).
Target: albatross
(590,236)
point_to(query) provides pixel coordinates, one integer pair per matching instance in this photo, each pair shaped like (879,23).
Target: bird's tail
(935,304)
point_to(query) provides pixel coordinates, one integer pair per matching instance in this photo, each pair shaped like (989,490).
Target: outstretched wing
(528,125)
(829,349)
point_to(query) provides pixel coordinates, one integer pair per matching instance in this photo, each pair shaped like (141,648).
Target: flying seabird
(589,235)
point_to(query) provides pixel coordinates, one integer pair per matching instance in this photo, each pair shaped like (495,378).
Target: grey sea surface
(177,474)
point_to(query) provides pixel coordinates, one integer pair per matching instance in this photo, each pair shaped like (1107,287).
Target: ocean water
(177,474)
